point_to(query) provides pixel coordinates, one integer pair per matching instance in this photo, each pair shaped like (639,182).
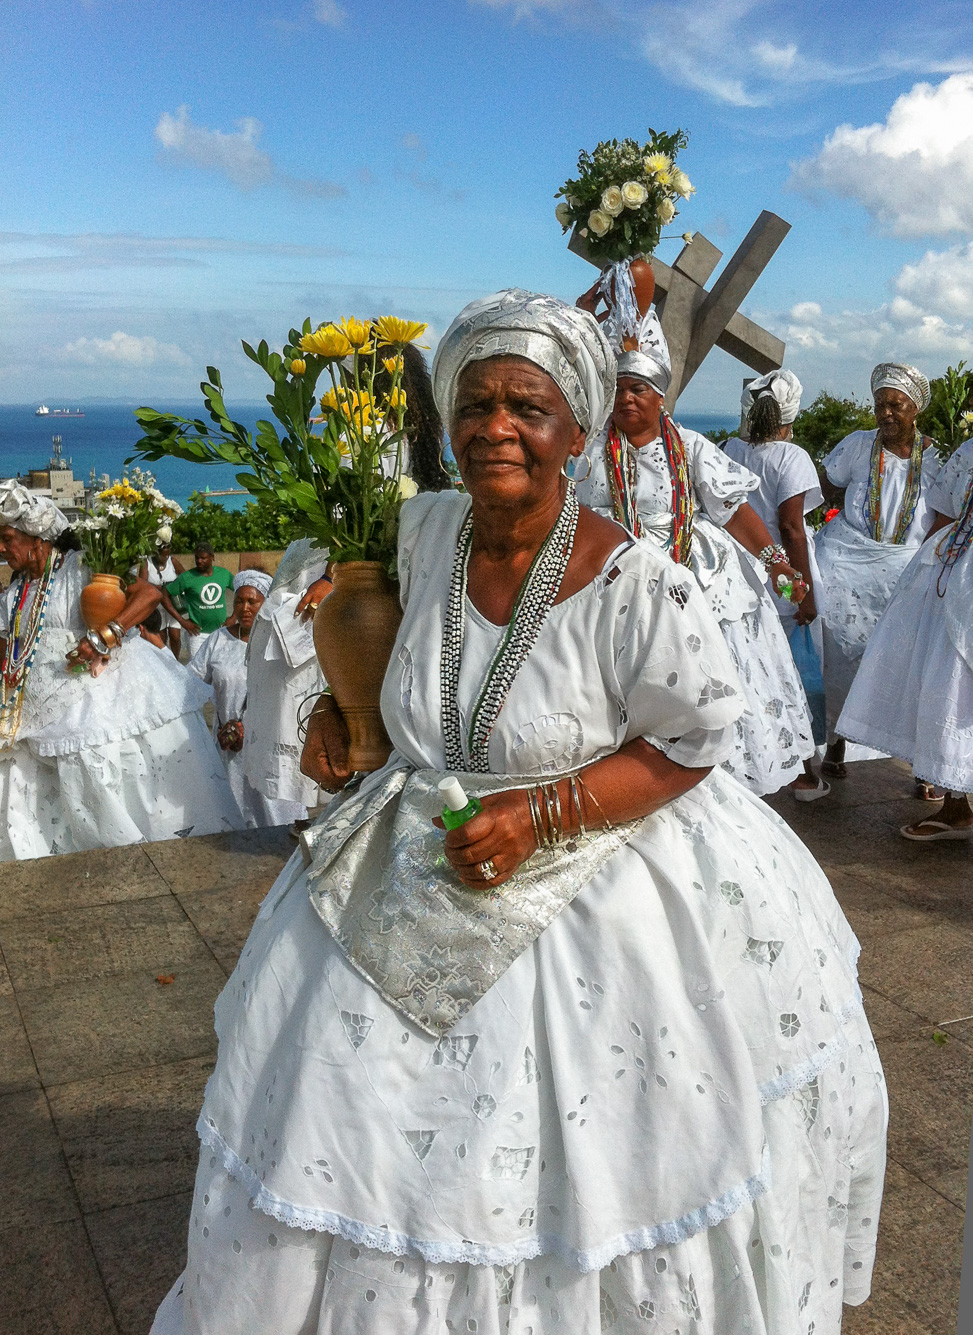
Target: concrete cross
(693,320)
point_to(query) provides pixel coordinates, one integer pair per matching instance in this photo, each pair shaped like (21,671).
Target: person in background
(884,477)
(204,589)
(162,568)
(221,661)
(151,629)
(788,491)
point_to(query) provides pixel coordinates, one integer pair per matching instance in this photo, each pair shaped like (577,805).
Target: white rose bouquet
(624,194)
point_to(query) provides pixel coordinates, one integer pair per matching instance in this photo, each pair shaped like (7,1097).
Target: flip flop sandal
(927,792)
(942,831)
(835,769)
(811,794)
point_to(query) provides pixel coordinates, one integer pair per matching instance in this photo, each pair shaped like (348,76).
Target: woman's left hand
(85,652)
(502,833)
(792,577)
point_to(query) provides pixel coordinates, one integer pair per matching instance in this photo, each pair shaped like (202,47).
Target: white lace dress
(913,695)
(773,734)
(115,759)
(282,671)
(667,1114)
(856,573)
(222,663)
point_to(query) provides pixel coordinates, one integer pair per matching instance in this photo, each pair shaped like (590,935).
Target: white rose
(563,214)
(612,202)
(666,212)
(407,488)
(682,184)
(634,194)
(599,222)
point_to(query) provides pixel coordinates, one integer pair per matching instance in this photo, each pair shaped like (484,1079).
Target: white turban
(906,379)
(34,515)
(785,388)
(650,362)
(253,579)
(562,340)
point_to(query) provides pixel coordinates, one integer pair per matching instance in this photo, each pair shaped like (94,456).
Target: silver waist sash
(432,947)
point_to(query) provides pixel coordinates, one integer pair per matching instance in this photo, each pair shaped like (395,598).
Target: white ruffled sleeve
(798,476)
(947,493)
(720,483)
(677,684)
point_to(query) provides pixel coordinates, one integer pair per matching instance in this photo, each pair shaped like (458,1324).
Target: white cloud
(330,13)
(234,154)
(123,350)
(913,172)
(941,281)
(55,252)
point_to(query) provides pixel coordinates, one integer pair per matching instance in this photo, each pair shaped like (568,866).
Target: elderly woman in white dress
(788,491)
(886,475)
(676,489)
(221,663)
(913,695)
(116,752)
(598,1059)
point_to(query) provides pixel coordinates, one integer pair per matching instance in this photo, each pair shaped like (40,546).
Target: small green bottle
(459,808)
(784,586)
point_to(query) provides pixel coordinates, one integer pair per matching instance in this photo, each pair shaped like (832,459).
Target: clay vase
(101,601)
(354,631)
(643,280)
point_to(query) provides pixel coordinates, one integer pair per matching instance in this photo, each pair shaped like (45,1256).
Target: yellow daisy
(394,332)
(327,342)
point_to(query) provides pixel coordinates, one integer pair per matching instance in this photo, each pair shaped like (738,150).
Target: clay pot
(354,631)
(643,280)
(101,601)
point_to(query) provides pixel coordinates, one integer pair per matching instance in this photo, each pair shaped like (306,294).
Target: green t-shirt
(205,596)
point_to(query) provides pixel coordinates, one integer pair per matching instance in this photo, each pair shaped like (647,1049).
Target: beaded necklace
(955,540)
(534,600)
(22,641)
(622,467)
(907,512)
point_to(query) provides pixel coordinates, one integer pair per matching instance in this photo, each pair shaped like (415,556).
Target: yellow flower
(656,163)
(327,342)
(329,402)
(298,366)
(664,177)
(397,398)
(121,491)
(394,332)
(392,364)
(357,332)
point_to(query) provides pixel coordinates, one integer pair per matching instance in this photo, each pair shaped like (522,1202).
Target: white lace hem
(788,1082)
(383,1239)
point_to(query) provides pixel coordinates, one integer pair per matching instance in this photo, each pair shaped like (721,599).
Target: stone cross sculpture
(694,320)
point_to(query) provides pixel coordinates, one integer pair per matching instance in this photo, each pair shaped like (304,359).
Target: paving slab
(17,1069)
(218,861)
(75,880)
(36,1182)
(49,1282)
(930,1136)
(223,917)
(928,970)
(140,1251)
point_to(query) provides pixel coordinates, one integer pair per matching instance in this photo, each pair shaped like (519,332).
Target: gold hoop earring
(442,455)
(573,475)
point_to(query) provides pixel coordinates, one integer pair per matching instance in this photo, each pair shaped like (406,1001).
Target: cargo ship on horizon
(44,411)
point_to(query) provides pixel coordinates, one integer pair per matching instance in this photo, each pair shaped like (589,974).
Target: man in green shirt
(203,590)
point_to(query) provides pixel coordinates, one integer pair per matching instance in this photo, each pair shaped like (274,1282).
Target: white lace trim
(383,1239)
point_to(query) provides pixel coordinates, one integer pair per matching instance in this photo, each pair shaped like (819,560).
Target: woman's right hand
(806,609)
(308,605)
(325,755)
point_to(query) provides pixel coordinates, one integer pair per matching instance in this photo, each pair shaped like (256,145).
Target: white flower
(666,212)
(612,202)
(634,194)
(688,236)
(656,163)
(563,214)
(599,222)
(93,523)
(407,488)
(115,510)
(682,184)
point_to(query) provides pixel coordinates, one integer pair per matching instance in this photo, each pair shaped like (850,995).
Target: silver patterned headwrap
(34,515)
(650,362)
(906,379)
(783,385)
(562,340)
(253,579)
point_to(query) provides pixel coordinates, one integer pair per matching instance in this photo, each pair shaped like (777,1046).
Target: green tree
(949,399)
(259,527)
(819,427)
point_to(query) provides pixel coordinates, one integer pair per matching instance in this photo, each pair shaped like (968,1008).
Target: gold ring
(488,871)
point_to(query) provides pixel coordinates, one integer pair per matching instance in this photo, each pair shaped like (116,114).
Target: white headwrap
(785,388)
(34,515)
(562,340)
(906,379)
(254,579)
(650,362)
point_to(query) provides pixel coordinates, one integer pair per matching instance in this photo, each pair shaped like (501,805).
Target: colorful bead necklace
(22,641)
(622,467)
(534,600)
(913,485)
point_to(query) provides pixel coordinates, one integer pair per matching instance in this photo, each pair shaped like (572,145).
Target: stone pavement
(102,1067)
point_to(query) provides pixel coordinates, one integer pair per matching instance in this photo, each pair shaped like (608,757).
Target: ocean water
(108,433)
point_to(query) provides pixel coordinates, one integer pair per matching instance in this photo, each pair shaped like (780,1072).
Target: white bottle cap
(452,793)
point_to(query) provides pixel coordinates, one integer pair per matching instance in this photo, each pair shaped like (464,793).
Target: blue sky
(177,177)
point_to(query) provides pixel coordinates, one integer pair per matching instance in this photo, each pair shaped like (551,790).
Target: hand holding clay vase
(643,280)
(354,631)
(101,600)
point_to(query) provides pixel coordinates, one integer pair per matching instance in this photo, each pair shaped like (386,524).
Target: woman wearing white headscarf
(598,1059)
(221,663)
(674,488)
(886,475)
(115,751)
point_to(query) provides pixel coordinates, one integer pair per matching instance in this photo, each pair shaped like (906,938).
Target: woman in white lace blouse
(596,1060)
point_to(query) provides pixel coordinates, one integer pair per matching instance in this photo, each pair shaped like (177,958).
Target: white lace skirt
(164,783)
(257,810)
